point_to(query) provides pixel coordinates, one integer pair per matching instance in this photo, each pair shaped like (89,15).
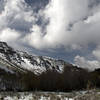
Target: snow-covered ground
(76,95)
(34,96)
(31,98)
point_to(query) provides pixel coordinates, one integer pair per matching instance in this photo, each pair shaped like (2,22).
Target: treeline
(73,78)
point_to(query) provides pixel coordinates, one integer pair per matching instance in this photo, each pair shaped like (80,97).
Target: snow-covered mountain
(12,60)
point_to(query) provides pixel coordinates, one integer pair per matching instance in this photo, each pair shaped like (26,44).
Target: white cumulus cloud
(8,35)
(71,24)
(87,64)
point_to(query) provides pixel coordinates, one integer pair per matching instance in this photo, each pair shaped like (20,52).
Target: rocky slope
(23,61)
(80,95)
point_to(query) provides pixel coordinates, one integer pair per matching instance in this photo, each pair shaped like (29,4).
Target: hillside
(23,61)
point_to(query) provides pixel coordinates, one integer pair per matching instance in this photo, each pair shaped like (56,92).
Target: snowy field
(35,96)
(80,95)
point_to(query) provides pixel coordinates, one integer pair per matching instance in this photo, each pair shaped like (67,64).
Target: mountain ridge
(36,64)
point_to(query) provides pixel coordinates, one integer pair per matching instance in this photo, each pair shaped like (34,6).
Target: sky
(62,29)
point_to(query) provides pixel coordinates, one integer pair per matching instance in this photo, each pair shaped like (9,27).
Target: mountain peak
(33,63)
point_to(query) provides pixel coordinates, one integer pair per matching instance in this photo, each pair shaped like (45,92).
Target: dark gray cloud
(94,3)
(2,5)
(37,4)
(20,25)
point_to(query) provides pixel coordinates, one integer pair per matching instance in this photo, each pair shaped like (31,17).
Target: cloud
(71,24)
(8,35)
(16,16)
(1,6)
(91,62)
(96,53)
(86,64)
(37,4)
(64,23)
